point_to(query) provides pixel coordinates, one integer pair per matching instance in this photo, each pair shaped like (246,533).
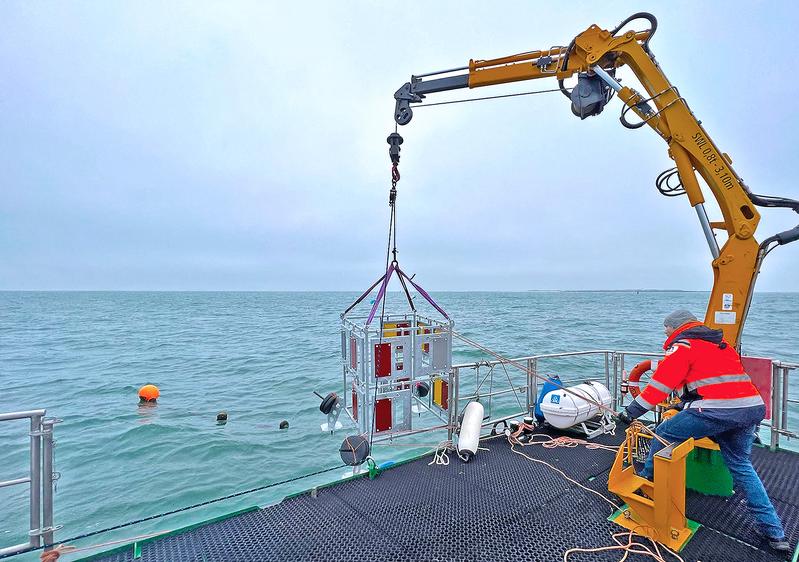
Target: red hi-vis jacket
(710,370)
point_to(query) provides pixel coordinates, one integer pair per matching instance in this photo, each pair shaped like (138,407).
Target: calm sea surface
(259,356)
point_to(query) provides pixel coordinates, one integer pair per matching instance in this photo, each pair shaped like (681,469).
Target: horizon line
(360,291)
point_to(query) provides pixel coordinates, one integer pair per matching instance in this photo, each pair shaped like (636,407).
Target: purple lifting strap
(382,292)
(423,293)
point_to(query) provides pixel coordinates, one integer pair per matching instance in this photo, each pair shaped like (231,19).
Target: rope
(441,457)
(530,372)
(568,443)
(530,93)
(613,504)
(186,508)
(630,547)
(55,554)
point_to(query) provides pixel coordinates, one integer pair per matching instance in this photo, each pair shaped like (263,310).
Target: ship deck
(500,506)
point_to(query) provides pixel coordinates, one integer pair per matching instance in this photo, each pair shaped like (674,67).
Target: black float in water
(328,402)
(221,417)
(284,424)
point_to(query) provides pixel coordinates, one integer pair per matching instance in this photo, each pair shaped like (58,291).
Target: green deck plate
(706,473)
(693,526)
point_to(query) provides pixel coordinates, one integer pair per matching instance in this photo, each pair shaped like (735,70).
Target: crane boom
(593,56)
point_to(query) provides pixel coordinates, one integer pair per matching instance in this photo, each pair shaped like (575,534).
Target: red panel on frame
(383,415)
(354,404)
(759,370)
(444,395)
(382,359)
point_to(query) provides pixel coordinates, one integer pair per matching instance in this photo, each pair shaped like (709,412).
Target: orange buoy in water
(148,393)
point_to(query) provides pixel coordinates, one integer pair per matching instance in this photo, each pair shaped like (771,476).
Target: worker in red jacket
(718,401)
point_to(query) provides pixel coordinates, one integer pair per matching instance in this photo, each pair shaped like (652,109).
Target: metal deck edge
(393,464)
(313,489)
(191,527)
(173,532)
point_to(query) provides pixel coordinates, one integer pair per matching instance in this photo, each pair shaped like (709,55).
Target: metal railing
(40,479)
(781,401)
(508,392)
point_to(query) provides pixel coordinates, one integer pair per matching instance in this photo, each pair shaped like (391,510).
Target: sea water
(259,357)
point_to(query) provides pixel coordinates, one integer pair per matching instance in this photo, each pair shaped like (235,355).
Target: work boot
(779,545)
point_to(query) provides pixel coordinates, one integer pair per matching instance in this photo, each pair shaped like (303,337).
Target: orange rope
(630,547)
(567,477)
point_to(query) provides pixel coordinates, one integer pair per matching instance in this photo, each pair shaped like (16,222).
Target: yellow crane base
(656,508)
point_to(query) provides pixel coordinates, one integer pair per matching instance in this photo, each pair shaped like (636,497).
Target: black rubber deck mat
(500,506)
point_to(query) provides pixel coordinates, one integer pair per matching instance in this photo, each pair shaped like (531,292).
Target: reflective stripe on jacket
(698,359)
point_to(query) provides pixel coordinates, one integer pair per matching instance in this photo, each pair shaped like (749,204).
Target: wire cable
(489,98)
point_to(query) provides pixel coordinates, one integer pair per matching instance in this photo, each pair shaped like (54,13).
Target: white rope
(441,457)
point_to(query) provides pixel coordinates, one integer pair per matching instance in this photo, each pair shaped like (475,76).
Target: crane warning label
(726,301)
(717,164)
(724,317)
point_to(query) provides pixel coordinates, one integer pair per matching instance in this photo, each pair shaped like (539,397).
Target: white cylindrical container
(469,436)
(564,409)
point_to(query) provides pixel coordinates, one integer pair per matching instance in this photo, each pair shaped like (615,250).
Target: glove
(623,418)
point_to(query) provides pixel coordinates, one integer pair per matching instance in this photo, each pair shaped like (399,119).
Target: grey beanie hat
(678,318)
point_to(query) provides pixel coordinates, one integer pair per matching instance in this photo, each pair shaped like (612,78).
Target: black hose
(653,23)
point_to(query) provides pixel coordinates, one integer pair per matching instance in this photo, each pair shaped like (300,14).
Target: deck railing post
(784,389)
(47,480)
(35,479)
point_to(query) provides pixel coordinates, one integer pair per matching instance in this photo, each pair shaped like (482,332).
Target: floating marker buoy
(148,393)
(422,389)
(221,417)
(284,424)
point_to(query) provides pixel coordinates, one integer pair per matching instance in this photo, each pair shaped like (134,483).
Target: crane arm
(593,56)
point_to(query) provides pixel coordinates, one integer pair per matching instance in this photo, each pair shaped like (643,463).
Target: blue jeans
(734,431)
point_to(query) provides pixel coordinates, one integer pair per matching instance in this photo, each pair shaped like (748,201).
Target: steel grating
(499,507)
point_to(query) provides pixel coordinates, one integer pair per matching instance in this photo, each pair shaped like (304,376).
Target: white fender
(469,436)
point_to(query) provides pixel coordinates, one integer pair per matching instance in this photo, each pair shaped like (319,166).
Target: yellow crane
(593,57)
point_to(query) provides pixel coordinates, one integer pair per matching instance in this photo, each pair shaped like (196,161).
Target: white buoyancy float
(469,436)
(564,408)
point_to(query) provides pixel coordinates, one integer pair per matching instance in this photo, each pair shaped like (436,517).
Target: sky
(241,146)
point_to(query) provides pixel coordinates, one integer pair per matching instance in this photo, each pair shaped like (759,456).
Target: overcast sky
(238,145)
